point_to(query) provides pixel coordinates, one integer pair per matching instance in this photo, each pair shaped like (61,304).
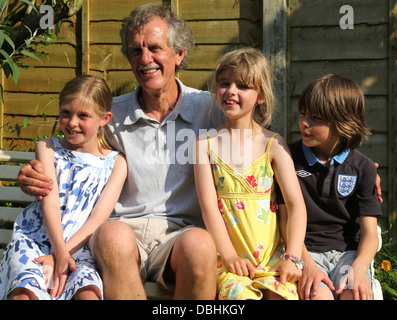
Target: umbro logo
(303,173)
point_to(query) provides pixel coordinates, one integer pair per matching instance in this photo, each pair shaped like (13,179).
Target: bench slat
(14,194)
(9,214)
(16,156)
(9,173)
(5,236)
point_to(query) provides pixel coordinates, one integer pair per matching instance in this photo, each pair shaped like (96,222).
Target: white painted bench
(10,164)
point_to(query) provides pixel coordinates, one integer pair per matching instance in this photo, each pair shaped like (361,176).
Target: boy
(337,183)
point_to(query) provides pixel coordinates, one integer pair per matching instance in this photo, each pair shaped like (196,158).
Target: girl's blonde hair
(339,101)
(91,91)
(249,67)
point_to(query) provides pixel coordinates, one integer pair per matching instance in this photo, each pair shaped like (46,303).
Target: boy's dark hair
(339,101)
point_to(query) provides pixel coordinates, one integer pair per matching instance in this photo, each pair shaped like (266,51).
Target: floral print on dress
(246,202)
(81,178)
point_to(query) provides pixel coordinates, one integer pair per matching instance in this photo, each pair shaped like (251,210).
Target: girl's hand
(240,266)
(48,262)
(288,271)
(63,264)
(311,279)
(55,281)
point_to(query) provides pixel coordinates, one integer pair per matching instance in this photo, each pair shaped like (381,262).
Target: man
(153,231)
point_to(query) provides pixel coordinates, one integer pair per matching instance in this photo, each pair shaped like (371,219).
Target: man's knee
(196,246)
(113,240)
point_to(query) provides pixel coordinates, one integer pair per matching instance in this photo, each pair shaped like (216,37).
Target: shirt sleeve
(367,199)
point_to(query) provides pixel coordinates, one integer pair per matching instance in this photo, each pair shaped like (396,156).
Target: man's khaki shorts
(155,240)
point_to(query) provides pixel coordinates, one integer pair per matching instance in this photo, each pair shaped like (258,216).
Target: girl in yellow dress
(259,250)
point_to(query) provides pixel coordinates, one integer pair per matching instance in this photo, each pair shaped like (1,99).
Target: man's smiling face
(151,57)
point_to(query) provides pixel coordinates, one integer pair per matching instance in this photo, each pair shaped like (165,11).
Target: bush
(385,265)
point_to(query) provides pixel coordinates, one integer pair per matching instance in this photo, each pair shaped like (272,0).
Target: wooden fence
(317,44)
(303,38)
(89,43)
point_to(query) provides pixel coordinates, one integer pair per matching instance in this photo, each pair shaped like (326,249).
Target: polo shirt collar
(312,159)
(185,111)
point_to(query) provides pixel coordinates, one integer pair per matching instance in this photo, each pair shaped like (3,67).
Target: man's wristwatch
(298,261)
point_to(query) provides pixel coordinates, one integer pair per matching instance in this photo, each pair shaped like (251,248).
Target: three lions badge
(346,184)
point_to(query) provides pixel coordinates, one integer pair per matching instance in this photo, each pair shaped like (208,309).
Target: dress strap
(209,143)
(270,142)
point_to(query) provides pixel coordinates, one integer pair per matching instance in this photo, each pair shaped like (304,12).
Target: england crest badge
(346,184)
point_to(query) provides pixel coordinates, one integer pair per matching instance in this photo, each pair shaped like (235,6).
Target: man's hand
(377,185)
(32,180)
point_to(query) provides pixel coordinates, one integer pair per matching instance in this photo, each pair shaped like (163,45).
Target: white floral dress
(81,179)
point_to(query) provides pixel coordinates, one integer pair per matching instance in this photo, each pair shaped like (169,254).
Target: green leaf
(31,5)
(9,40)
(392,291)
(1,38)
(30,54)
(26,122)
(2,3)
(7,29)
(13,68)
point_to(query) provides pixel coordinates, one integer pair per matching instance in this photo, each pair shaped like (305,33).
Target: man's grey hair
(179,34)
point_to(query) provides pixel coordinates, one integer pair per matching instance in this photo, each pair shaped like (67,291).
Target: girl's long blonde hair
(249,67)
(92,91)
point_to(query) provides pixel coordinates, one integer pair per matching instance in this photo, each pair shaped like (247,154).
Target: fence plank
(325,43)
(31,104)
(50,80)
(218,10)
(101,10)
(369,74)
(326,12)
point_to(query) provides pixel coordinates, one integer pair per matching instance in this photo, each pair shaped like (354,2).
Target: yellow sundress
(246,201)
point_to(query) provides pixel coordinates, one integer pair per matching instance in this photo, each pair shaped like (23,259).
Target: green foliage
(8,62)
(14,47)
(385,265)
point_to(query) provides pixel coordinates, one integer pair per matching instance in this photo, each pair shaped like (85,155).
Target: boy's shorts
(336,265)
(155,240)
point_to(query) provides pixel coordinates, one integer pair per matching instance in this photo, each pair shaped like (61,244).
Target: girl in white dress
(48,256)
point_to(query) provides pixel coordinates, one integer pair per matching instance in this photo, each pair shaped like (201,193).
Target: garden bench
(9,168)
(10,164)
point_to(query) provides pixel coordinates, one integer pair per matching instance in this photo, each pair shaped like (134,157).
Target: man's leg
(193,263)
(117,255)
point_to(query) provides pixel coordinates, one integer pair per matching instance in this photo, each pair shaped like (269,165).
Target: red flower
(251,180)
(220,204)
(240,205)
(273,206)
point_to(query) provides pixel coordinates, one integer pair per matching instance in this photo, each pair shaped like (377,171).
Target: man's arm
(33,181)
